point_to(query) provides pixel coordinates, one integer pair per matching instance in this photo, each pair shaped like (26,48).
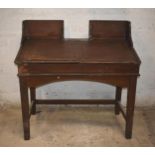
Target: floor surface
(76,126)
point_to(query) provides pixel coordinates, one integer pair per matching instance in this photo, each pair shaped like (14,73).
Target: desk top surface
(76,51)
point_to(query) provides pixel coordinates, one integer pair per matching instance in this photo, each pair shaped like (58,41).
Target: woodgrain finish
(76,51)
(33,29)
(109,30)
(107,56)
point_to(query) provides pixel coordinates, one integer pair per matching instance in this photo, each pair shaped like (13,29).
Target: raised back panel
(48,29)
(99,29)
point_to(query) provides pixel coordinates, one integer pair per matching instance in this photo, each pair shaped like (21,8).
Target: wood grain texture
(48,29)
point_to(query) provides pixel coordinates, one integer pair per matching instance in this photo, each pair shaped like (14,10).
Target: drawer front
(78,68)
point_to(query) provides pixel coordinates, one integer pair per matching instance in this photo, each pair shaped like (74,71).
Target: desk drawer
(78,68)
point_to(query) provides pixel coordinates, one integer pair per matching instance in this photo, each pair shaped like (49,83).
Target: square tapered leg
(118,99)
(130,106)
(25,108)
(33,100)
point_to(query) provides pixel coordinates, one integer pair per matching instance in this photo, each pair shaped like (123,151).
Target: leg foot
(128,135)
(27,130)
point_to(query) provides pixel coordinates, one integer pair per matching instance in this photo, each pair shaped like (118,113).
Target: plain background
(76,26)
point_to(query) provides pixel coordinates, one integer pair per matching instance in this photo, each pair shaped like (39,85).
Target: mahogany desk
(107,56)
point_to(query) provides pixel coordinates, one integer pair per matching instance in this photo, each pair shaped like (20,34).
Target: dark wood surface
(77,51)
(106,56)
(33,29)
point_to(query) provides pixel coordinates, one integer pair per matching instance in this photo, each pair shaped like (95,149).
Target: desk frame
(128,82)
(120,80)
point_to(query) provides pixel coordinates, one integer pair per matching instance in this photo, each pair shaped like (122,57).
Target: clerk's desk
(107,56)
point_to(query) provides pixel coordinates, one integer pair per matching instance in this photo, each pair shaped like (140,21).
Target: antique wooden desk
(107,56)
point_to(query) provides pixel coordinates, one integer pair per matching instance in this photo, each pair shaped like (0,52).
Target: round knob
(58,77)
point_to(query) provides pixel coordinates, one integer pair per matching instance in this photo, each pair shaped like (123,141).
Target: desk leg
(118,99)
(130,106)
(25,109)
(33,98)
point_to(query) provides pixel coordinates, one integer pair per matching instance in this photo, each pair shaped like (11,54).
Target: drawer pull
(58,77)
